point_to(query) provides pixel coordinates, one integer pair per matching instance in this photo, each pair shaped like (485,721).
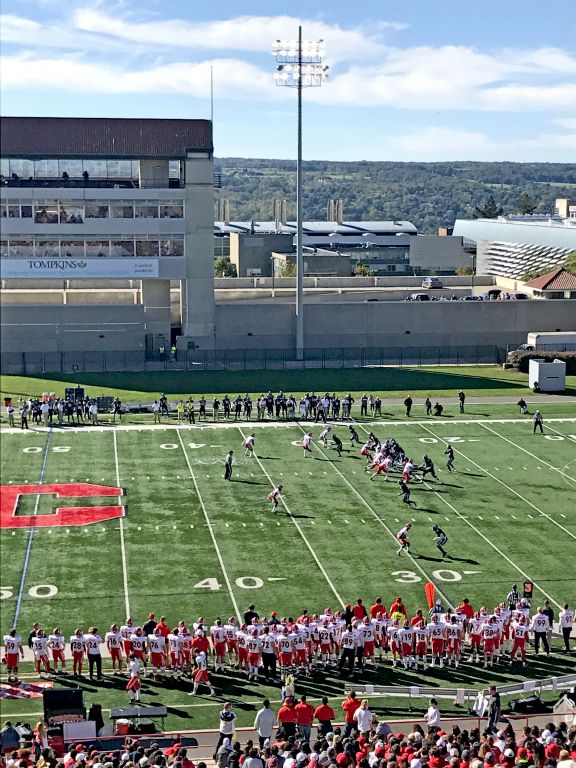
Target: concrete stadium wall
(72,328)
(391,324)
(406,281)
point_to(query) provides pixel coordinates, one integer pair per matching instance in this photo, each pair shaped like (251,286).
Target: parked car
(418,297)
(470,298)
(432,282)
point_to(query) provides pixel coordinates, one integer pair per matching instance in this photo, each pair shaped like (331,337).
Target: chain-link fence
(32,363)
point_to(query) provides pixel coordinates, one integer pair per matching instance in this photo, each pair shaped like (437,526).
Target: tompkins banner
(78,269)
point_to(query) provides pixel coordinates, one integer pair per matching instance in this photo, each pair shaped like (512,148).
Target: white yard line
(504,485)
(486,539)
(542,461)
(266,424)
(377,516)
(122,541)
(211,530)
(31,534)
(300,531)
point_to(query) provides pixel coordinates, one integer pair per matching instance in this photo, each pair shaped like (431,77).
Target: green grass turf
(438,382)
(508,511)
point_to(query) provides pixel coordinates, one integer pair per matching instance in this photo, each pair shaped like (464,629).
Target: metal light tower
(299,66)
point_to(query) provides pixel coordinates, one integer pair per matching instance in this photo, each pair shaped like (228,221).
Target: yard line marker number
(31,533)
(300,531)
(210,528)
(122,540)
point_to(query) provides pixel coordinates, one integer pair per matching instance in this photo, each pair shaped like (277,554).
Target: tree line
(430,195)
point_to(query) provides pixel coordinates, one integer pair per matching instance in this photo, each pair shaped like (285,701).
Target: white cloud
(239,78)
(154,56)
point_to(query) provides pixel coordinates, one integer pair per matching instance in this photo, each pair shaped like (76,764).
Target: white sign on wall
(77,269)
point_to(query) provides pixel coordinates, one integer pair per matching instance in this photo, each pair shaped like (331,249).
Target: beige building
(120,205)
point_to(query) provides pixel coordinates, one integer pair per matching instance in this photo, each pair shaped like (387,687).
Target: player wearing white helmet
(57,643)
(201,675)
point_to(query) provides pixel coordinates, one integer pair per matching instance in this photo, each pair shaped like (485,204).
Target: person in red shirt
(377,609)
(398,605)
(359,611)
(201,643)
(287,718)
(163,627)
(417,619)
(304,717)
(325,715)
(350,705)
(466,609)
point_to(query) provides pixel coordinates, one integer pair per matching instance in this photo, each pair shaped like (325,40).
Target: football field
(158,529)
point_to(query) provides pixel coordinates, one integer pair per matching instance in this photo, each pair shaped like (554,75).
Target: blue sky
(419,80)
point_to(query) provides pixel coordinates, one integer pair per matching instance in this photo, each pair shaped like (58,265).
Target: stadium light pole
(299,65)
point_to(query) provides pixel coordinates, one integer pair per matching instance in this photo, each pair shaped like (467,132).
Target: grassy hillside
(428,194)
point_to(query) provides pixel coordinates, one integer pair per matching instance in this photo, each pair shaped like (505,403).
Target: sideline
(122,541)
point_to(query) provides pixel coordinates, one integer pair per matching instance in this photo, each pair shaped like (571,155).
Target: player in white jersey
(138,642)
(475,634)
(349,645)
(402,538)
(323,436)
(274,497)
(231,631)
(490,631)
(174,651)
(499,644)
(306,444)
(126,631)
(567,620)
(437,632)
(384,467)
(113,640)
(133,684)
(40,651)
(218,637)
(406,638)
(366,451)
(78,648)
(301,651)
(326,641)
(453,640)
(185,649)
(57,644)
(157,646)
(540,626)
(421,635)
(393,633)
(242,640)
(201,674)
(13,650)
(248,445)
(254,654)
(378,458)
(368,632)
